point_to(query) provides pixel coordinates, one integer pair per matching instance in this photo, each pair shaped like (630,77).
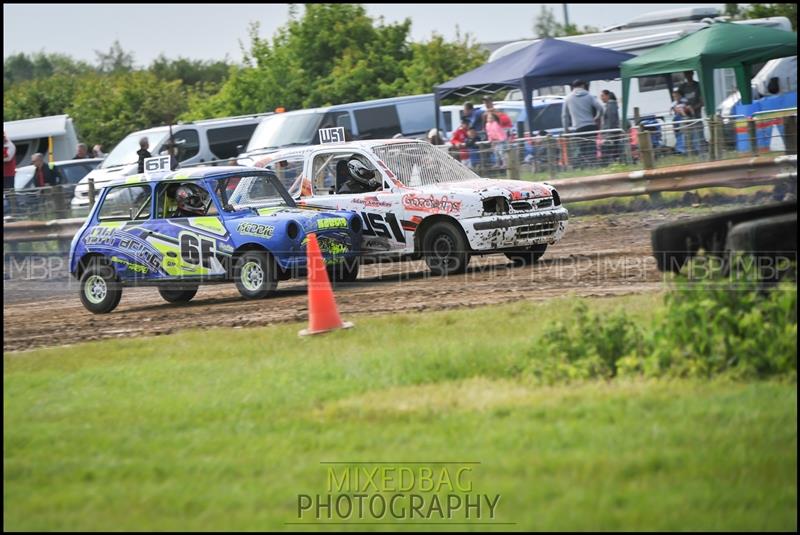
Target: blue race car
(202,225)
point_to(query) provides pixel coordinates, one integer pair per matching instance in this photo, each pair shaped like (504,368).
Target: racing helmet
(360,172)
(191,198)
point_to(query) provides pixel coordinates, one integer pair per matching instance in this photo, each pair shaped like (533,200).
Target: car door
(378,209)
(194,246)
(120,233)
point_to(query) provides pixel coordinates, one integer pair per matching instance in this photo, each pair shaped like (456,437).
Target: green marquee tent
(721,45)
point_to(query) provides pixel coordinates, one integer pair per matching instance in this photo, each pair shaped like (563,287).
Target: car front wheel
(256,275)
(445,249)
(100,290)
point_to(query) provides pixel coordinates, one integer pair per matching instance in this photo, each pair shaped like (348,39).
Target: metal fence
(647,146)
(650,145)
(49,202)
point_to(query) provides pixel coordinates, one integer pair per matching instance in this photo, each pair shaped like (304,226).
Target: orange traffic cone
(323,315)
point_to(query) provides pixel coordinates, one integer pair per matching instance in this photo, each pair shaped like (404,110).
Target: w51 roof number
(331,135)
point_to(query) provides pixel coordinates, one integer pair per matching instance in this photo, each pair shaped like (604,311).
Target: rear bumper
(516,230)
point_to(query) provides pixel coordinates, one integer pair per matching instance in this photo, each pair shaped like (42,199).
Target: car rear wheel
(445,249)
(100,289)
(256,275)
(528,255)
(178,295)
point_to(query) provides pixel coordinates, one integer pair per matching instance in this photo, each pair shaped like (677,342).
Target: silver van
(198,142)
(411,116)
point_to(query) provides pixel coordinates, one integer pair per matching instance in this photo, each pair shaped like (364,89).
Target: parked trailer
(33,135)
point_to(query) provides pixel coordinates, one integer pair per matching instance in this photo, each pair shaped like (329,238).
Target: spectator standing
(97,151)
(474,116)
(42,174)
(582,111)
(694,99)
(497,136)
(83,152)
(9,162)
(610,122)
(143,153)
(681,111)
(171,149)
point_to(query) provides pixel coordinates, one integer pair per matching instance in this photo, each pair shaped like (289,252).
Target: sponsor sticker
(332,222)
(138,268)
(372,202)
(431,203)
(255,229)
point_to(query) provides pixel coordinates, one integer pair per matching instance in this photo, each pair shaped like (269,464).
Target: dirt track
(599,256)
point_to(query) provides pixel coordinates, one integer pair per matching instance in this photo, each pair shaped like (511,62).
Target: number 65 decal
(196,250)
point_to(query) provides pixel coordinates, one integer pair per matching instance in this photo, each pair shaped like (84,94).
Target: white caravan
(33,135)
(640,35)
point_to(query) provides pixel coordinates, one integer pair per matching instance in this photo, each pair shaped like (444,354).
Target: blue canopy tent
(543,63)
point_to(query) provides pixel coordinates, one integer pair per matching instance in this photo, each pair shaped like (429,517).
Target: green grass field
(222,429)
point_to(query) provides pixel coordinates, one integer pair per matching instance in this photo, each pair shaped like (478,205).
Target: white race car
(416,200)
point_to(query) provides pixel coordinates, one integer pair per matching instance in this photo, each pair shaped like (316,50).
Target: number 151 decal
(376,225)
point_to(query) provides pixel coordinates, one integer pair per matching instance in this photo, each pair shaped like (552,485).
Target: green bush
(709,329)
(588,346)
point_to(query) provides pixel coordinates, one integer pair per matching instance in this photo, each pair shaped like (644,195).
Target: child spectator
(458,140)
(497,136)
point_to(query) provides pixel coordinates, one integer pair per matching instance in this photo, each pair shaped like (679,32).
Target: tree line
(329,54)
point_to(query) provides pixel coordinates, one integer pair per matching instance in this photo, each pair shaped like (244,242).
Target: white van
(32,135)
(198,142)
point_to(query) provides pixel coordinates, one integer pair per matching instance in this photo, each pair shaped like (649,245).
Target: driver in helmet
(190,201)
(361,178)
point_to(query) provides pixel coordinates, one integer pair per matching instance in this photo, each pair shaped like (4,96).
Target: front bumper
(516,230)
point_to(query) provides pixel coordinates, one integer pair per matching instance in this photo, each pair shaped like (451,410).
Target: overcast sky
(212,31)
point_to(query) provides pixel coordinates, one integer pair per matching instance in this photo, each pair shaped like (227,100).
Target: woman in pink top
(496,134)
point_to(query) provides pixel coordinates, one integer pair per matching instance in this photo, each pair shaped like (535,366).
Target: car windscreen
(420,164)
(125,151)
(281,130)
(253,190)
(74,173)
(547,116)
(24,177)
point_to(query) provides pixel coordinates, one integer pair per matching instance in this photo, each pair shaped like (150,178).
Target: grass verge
(222,429)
